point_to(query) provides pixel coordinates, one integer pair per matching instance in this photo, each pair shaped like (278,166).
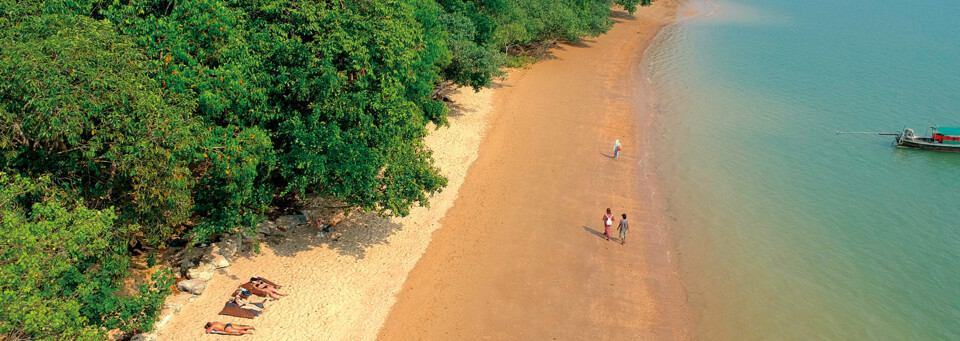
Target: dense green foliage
(60,266)
(153,119)
(78,104)
(481,33)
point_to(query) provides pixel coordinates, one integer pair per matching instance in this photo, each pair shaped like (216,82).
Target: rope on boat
(868,132)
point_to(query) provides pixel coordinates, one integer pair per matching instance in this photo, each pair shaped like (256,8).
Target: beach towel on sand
(275,285)
(253,290)
(232,309)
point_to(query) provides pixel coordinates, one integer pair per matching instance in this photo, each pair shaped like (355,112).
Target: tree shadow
(457,110)
(621,15)
(582,43)
(546,54)
(351,237)
(537,51)
(499,83)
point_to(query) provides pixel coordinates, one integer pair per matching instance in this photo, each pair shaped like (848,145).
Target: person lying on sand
(265,287)
(242,302)
(228,329)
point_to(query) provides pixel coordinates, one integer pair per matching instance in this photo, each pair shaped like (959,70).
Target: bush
(80,104)
(62,265)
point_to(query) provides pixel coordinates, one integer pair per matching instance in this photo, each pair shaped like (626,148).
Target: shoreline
(665,252)
(493,271)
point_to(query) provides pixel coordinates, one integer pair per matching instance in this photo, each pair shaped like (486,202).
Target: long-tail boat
(943,139)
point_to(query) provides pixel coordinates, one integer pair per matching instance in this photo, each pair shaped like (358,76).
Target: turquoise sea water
(788,231)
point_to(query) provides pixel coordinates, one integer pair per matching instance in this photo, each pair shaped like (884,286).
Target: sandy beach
(343,289)
(521,253)
(512,248)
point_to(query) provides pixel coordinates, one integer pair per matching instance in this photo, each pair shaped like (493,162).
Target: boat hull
(927,144)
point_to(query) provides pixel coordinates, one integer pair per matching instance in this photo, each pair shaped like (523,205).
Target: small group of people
(256,286)
(241,299)
(266,286)
(623,227)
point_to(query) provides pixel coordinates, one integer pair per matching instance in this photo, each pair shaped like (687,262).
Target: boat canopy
(949,131)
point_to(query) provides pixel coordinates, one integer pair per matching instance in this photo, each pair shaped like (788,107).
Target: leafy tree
(631,5)
(482,32)
(353,88)
(469,36)
(201,51)
(300,96)
(77,101)
(61,267)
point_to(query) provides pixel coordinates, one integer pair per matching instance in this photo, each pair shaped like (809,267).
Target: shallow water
(787,230)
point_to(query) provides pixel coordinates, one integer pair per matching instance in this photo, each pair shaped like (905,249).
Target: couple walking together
(623,227)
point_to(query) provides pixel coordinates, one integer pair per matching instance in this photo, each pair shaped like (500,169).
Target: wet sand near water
(521,255)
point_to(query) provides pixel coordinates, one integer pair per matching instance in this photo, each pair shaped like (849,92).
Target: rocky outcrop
(193,286)
(228,246)
(219,261)
(144,337)
(202,272)
(289,222)
(267,228)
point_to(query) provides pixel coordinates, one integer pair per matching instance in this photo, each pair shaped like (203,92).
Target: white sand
(342,290)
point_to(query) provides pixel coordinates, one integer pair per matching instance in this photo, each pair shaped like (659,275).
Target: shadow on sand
(349,238)
(621,15)
(600,234)
(456,109)
(594,232)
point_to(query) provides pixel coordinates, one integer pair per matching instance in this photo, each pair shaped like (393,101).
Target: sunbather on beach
(265,287)
(228,328)
(244,303)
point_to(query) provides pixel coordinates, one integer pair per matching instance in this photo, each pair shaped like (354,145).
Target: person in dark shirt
(624,226)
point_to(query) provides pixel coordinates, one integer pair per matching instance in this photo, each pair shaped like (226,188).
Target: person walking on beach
(616,149)
(624,226)
(607,222)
